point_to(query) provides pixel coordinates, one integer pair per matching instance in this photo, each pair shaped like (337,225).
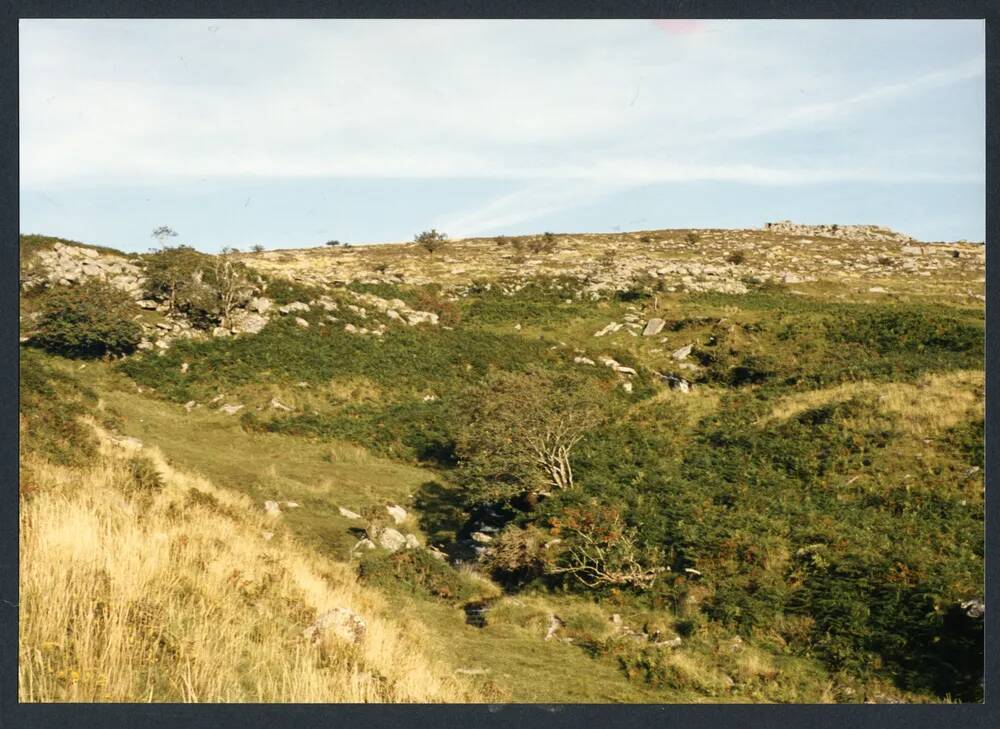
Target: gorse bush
(93,319)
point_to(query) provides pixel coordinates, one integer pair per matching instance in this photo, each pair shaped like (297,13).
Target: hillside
(664,466)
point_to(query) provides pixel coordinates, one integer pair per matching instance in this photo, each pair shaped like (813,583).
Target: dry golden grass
(925,409)
(152,596)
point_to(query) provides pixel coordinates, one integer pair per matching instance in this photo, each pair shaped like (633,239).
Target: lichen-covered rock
(338,623)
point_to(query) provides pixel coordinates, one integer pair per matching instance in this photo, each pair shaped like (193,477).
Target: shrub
(90,320)
(692,237)
(430,240)
(449,312)
(517,555)
(332,243)
(143,478)
(416,571)
(736,258)
(543,244)
(257,248)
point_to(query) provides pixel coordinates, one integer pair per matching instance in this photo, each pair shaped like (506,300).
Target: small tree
(521,432)
(600,550)
(174,274)
(332,243)
(162,234)
(90,320)
(232,283)
(430,240)
(257,248)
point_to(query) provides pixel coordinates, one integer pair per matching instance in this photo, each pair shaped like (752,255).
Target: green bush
(417,572)
(93,319)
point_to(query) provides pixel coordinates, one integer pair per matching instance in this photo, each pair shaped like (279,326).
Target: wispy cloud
(569,113)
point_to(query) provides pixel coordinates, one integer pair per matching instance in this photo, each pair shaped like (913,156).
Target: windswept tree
(430,240)
(599,549)
(521,431)
(174,274)
(232,283)
(161,234)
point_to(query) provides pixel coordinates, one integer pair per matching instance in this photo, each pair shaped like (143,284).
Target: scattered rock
(555,623)
(676,383)
(127,442)
(293,307)
(412,542)
(291,504)
(190,405)
(299,321)
(481,537)
(398,513)
(247,322)
(231,409)
(682,353)
(364,544)
(261,305)
(339,623)
(584,360)
(653,327)
(612,327)
(391,539)
(278,405)
(271,508)
(348,514)
(472,671)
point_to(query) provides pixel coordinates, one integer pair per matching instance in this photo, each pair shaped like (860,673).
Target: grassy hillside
(810,501)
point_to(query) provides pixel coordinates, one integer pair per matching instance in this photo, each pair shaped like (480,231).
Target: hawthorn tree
(430,240)
(521,430)
(599,549)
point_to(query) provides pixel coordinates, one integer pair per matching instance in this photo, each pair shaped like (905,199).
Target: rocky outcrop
(66,265)
(875,233)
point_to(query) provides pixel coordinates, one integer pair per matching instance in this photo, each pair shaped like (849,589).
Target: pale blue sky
(290,133)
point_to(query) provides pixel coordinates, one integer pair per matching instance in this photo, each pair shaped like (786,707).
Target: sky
(292,133)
